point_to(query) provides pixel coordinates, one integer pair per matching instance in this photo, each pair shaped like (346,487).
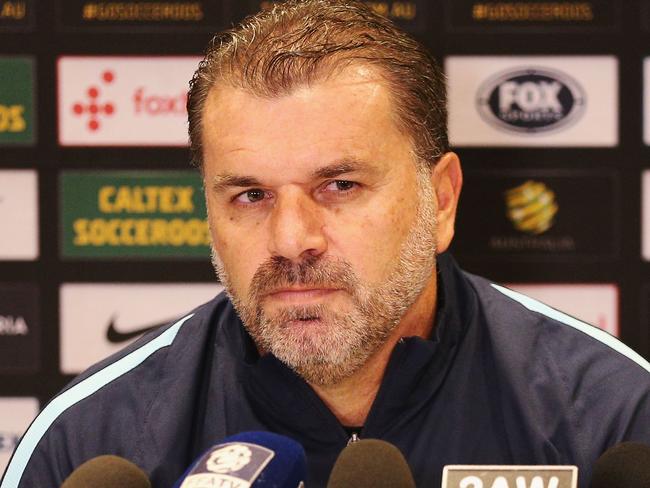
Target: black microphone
(625,465)
(107,471)
(249,459)
(371,463)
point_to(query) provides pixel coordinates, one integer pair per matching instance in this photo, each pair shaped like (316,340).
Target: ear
(447,180)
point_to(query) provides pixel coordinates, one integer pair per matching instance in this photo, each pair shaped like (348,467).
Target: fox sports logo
(531,100)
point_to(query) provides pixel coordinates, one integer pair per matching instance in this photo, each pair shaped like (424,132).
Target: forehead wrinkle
(342,166)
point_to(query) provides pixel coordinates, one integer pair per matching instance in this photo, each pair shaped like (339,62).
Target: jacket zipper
(353,438)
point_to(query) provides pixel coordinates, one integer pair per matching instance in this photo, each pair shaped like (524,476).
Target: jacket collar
(417,368)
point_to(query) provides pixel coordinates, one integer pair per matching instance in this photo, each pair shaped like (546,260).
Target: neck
(351,399)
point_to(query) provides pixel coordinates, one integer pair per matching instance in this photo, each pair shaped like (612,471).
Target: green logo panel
(17,121)
(133,214)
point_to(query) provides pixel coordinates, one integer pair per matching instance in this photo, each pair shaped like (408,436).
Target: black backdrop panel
(143,16)
(539,215)
(532,16)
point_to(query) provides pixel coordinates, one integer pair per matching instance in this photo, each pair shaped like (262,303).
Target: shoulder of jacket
(111,398)
(148,351)
(513,315)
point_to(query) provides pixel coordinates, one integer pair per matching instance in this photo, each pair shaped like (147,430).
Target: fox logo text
(531,100)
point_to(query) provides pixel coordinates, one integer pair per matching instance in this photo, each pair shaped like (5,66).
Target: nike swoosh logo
(116,337)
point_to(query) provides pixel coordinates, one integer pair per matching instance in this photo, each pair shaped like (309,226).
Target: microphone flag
(249,459)
(232,464)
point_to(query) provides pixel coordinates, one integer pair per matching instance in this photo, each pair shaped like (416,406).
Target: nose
(296,226)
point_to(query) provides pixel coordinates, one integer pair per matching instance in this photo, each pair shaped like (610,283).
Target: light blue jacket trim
(77,393)
(590,330)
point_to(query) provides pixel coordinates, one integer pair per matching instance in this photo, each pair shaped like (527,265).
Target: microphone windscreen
(107,471)
(371,463)
(626,465)
(251,459)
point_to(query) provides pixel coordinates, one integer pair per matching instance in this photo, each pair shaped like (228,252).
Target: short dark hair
(301,41)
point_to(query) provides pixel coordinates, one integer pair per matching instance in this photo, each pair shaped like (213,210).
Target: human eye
(340,186)
(249,197)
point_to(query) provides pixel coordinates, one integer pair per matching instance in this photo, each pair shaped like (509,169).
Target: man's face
(323,229)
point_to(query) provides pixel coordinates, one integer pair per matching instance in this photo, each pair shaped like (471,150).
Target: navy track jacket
(503,380)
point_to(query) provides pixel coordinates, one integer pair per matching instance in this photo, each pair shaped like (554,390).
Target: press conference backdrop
(102,222)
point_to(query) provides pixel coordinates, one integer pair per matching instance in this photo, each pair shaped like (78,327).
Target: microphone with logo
(625,465)
(371,463)
(249,460)
(107,471)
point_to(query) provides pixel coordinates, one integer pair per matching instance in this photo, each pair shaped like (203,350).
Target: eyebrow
(228,180)
(341,167)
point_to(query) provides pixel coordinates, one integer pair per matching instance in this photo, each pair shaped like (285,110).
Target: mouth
(304,325)
(300,295)
(306,320)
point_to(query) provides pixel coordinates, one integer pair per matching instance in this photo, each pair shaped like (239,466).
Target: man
(319,129)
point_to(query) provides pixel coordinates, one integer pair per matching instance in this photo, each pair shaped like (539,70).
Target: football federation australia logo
(531,100)
(531,207)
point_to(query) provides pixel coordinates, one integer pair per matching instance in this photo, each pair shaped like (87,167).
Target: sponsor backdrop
(16,413)
(103,230)
(103,99)
(145,214)
(100,319)
(533,100)
(19,214)
(596,304)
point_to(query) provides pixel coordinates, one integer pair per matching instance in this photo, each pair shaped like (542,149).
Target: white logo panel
(15,416)
(100,319)
(18,215)
(596,304)
(548,101)
(124,101)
